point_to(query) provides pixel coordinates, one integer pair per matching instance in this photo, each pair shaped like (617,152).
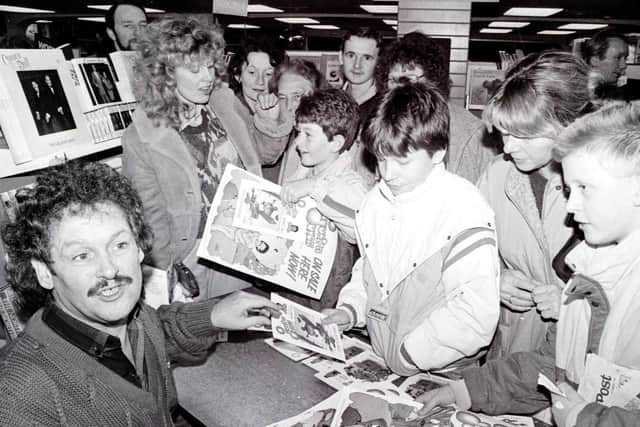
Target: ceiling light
(151,10)
(99,6)
(294,20)
(575,26)
(243,26)
(532,11)
(555,32)
(508,24)
(380,8)
(322,27)
(390,21)
(92,19)
(496,30)
(261,8)
(44,21)
(17,9)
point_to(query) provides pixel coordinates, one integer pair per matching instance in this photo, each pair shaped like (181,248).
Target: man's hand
(515,290)
(547,299)
(296,190)
(442,396)
(267,106)
(338,316)
(242,310)
(562,407)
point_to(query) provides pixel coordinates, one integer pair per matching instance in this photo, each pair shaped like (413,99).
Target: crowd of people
(492,265)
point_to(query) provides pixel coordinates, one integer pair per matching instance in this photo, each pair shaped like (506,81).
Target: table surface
(244,382)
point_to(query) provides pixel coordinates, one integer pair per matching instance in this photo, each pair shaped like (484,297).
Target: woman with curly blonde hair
(184,133)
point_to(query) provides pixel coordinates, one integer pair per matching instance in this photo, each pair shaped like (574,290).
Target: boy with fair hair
(426,285)
(326,126)
(599,319)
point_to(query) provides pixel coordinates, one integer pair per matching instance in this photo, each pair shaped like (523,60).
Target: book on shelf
(39,111)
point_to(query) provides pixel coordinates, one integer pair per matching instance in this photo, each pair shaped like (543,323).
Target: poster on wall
(483,79)
(328,63)
(251,230)
(39,111)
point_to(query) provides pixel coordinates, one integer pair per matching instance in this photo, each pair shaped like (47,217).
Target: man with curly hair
(419,58)
(184,134)
(92,352)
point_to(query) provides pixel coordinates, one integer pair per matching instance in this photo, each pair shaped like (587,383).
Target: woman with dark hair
(251,70)
(183,135)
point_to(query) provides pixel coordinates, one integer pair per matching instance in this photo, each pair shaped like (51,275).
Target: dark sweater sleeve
(188,331)
(510,385)
(596,415)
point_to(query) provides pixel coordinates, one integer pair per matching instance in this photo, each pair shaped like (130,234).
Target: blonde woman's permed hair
(165,45)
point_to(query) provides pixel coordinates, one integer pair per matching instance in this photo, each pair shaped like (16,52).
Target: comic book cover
(358,405)
(289,350)
(352,348)
(299,258)
(303,327)
(365,367)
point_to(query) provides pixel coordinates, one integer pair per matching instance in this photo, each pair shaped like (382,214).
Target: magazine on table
(249,229)
(303,327)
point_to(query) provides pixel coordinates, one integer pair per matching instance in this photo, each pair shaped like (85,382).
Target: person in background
(541,95)
(124,21)
(92,353)
(418,58)
(359,55)
(606,52)
(427,283)
(598,330)
(250,71)
(325,133)
(184,133)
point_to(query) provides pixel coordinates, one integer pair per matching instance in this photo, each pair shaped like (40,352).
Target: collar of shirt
(104,348)
(365,96)
(432,179)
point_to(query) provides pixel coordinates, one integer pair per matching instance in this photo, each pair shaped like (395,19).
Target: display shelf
(9,168)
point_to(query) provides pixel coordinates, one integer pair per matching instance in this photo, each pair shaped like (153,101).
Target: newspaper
(610,384)
(303,327)
(249,229)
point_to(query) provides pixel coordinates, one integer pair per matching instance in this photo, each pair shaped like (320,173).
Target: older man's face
(128,21)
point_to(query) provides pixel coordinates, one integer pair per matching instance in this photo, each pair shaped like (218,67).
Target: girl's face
(528,153)
(255,76)
(291,88)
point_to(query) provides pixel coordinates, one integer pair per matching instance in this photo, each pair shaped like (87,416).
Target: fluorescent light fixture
(508,24)
(496,30)
(108,6)
(555,32)
(395,27)
(576,26)
(380,8)
(322,27)
(93,19)
(43,21)
(390,21)
(17,9)
(294,20)
(243,26)
(261,8)
(532,11)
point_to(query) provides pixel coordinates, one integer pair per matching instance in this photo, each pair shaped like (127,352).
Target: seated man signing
(92,353)
(427,283)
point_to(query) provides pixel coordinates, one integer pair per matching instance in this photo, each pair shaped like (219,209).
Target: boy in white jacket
(427,283)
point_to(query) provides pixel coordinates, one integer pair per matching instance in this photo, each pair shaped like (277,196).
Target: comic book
(303,327)
(250,229)
(365,367)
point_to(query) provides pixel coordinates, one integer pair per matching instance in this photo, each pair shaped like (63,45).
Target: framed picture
(483,79)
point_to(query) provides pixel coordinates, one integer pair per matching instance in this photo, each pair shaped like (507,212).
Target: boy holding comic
(426,285)
(599,321)
(326,126)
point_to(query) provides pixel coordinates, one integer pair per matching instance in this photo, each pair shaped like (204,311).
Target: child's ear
(438,157)
(336,143)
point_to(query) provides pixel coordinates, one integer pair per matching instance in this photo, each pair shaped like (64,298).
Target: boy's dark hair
(334,111)
(412,116)
(69,189)
(108,18)
(416,49)
(596,46)
(303,68)
(255,43)
(363,32)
